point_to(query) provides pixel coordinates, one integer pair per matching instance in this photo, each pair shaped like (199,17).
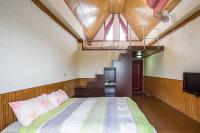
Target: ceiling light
(139,53)
(139,56)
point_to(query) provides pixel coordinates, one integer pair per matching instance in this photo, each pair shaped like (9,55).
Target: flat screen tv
(191,83)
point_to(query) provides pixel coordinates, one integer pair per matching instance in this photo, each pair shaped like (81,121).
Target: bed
(89,115)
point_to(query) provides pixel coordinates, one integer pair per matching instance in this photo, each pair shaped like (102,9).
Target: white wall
(181,54)
(60,9)
(184,9)
(93,62)
(34,50)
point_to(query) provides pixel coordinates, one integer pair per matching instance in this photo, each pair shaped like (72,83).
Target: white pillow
(29,110)
(57,97)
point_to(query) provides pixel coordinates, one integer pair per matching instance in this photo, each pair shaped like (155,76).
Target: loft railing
(124,45)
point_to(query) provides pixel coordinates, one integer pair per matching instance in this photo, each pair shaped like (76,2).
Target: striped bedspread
(92,115)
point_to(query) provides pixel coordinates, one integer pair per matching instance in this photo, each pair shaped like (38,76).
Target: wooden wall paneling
(171,92)
(84,81)
(7,115)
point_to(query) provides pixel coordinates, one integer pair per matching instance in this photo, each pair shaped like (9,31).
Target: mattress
(89,115)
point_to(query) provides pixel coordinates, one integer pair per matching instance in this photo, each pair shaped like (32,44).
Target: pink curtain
(108,26)
(124,26)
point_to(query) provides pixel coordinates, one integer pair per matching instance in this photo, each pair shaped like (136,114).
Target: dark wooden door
(137,76)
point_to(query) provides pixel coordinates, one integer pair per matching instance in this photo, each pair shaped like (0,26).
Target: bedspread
(92,115)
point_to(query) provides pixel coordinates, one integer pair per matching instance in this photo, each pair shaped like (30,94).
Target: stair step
(99,76)
(109,68)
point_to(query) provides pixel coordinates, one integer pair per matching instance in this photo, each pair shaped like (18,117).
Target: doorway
(137,76)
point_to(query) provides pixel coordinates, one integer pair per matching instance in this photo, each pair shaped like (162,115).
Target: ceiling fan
(163,16)
(158,9)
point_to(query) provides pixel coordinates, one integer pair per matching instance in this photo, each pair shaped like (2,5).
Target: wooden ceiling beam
(116,6)
(132,27)
(135,12)
(138,13)
(99,27)
(91,14)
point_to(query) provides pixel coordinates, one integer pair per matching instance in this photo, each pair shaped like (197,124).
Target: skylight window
(122,34)
(110,34)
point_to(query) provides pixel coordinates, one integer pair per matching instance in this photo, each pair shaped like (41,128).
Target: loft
(99,66)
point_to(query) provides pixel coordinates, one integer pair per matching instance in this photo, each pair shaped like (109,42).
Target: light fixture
(139,56)
(139,53)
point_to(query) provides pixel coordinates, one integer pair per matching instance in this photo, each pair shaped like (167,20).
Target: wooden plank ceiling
(92,14)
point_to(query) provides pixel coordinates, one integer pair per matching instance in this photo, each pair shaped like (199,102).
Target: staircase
(96,88)
(123,66)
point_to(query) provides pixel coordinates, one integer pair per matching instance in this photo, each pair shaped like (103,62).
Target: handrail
(128,41)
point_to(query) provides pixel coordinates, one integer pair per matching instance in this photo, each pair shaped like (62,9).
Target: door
(137,76)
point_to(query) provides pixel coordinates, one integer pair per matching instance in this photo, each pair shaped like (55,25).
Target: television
(191,83)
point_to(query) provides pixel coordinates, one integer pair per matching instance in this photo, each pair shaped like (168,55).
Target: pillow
(29,110)
(57,97)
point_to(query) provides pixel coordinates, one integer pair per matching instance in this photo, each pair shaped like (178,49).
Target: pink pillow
(29,110)
(57,97)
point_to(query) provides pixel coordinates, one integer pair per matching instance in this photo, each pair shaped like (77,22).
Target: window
(110,34)
(122,34)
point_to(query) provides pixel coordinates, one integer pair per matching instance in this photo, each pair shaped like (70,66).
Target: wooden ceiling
(92,14)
